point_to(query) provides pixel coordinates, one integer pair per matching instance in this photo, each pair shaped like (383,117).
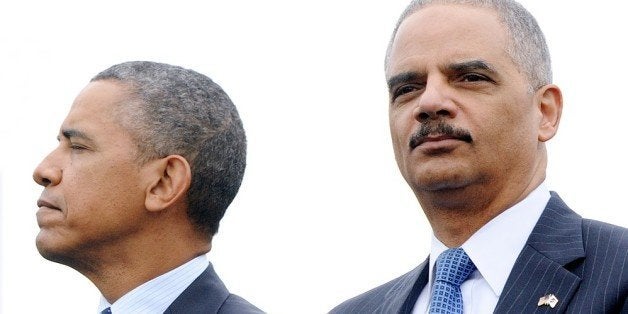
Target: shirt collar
(495,247)
(156,295)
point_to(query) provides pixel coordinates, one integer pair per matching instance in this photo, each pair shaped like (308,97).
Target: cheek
(86,203)
(396,135)
(104,212)
(401,128)
(101,193)
(507,133)
(401,124)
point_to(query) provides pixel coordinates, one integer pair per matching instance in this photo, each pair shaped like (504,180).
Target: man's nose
(435,102)
(48,172)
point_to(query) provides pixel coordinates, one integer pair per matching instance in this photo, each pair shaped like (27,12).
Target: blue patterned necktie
(452,268)
(106,311)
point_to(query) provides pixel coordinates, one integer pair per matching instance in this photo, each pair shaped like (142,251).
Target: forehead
(96,111)
(98,101)
(447,33)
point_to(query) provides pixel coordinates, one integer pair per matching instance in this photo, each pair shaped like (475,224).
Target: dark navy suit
(208,295)
(583,262)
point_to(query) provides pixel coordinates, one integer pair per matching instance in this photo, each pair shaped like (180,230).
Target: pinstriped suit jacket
(584,263)
(208,295)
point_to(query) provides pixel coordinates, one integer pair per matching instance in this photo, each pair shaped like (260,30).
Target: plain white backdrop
(323,213)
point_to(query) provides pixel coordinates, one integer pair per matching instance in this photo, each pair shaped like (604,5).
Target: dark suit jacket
(207,294)
(584,263)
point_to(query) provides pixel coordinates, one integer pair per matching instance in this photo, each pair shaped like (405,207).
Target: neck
(121,268)
(456,214)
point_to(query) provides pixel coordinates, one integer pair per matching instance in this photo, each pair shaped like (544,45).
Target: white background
(323,213)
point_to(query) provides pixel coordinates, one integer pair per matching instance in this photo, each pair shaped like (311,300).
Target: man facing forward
(471,106)
(149,158)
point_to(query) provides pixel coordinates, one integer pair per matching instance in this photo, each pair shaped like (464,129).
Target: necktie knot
(453,266)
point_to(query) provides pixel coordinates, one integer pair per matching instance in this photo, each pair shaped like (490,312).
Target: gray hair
(177,111)
(527,47)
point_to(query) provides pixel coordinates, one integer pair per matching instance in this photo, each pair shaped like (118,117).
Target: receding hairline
(414,10)
(130,101)
(526,45)
(129,93)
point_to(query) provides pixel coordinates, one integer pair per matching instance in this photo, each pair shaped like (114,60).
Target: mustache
(441,128)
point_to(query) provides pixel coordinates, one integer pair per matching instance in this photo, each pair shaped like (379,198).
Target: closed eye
(405,89)
(77,147)
(474,77)
(76,140)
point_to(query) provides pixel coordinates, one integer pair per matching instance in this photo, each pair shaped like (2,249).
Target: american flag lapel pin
(549,300)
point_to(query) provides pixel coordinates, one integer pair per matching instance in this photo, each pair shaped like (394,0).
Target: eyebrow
(404,78)
(472,65)
(460,67)
(73,133)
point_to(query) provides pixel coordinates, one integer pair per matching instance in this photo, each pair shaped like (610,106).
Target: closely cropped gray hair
(527,47)
(176,111)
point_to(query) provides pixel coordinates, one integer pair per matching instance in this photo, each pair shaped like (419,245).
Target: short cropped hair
(177,111)
(527,47)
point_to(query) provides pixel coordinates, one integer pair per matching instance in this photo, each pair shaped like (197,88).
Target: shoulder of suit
(235,304)
(606,249)
(596,233)
(378,297)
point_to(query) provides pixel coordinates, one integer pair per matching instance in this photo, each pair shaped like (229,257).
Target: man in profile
(471,106)
(149,158)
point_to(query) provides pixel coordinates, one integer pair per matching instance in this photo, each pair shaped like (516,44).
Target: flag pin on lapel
(548,299)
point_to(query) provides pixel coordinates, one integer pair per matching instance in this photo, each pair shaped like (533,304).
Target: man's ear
(171,180)
(550,102)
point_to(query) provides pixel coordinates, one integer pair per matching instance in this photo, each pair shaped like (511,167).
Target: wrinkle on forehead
(447,30)
(458,31)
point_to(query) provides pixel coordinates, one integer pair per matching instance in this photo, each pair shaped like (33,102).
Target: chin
(47,250)
(53,251)
(446,181)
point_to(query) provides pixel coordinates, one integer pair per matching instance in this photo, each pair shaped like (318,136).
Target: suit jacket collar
(206,294)
(401,295)
(555,242)
(540,269)
(410,293)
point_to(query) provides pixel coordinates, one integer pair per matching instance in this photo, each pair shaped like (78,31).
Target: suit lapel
(206,294)
(397,296)
(555,241)
(411,292)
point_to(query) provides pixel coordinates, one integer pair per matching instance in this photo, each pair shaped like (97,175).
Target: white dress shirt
(156,295)
(493,249)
